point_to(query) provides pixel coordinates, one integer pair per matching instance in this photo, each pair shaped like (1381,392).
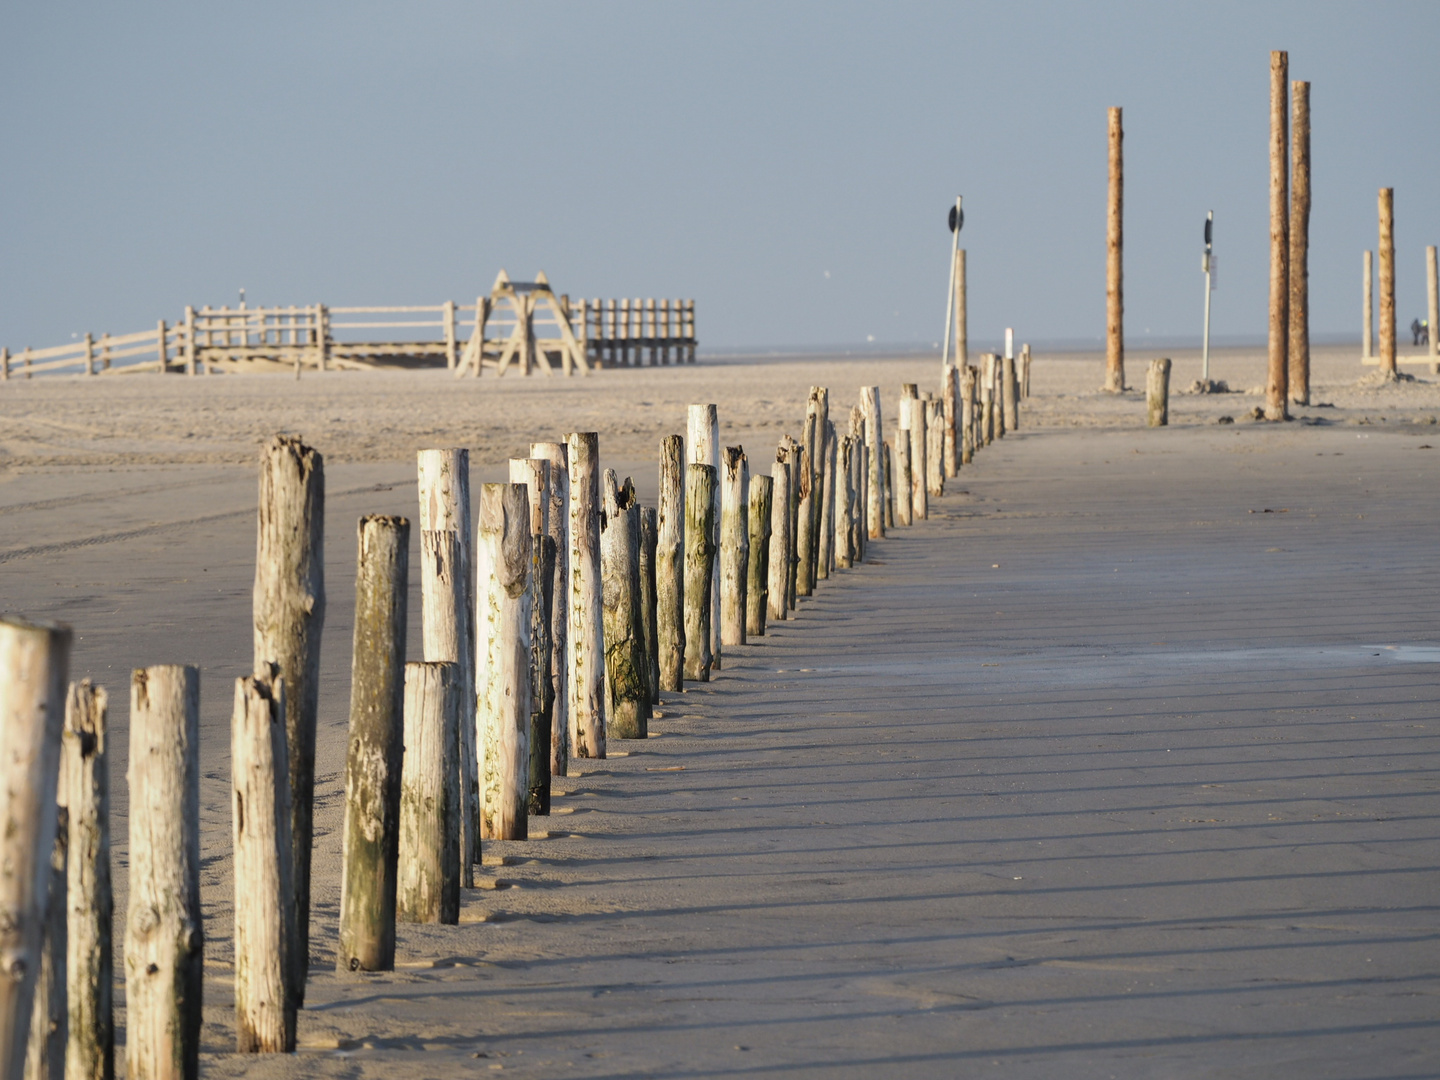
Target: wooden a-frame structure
(518,306)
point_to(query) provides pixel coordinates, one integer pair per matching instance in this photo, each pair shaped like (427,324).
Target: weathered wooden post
(827,505)
(704,431)
(534,473)
(779,554)
(1157,393)
(987,399)
(950,406)
(373,759)
(859,483)
(1114,261)
(1277,381)
(887,474)
(34,669)
(164,932)
(913,419)
(809,494)
(89,962)
(997,393)
(1299,336)
(1025,372)
(1367,347)
(670,565)
(649,543)
(800,475)
(447,583)
(1010,393)
(585,645)
(844,503)
(699,560)
(1432,290)
(45,1052)
(289,616)
(934,449)
(734,544)
(507,594)
(815,449)
(900,477)
(264,892)
(1387,281)
(967,415)
(626,665)
(875,481)
(757,589)
(559,459)
(428,880)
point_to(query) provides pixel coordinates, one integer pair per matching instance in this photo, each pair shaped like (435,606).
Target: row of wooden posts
(556,627)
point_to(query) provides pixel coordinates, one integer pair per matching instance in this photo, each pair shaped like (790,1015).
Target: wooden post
(844,504)
(1114,261)
(626,665)
(534,473)
(757,587)
(1276,385)
(1010,393)
(690,331)
(809,496)
(625,333)
(585,643)
(699,568)
(900,469)
(1025,372)
(164,932)
(912,418)
(446,607)
(934,449)
(1387,281)
(1298,376)
(162,343)
(1432,291)
(507,595)
(670,565)
(734,544)
(826,557)
(428,874)
(264,892)
(799,476)
(322,336)
(949,392)
(373,760)
(967,415)
(875,496)
(888,475)
(1368,346)
(987,399)
(45,1052)
(89,962)
(649,543)
(816,450)
(997,393)
(34,668)
(288,605)
(703,424)
(559,459)
(777,564)
(449,320)
(4,363)
(1157,393)
(962,334)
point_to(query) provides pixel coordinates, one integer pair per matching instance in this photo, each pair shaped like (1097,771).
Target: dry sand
(1105,770)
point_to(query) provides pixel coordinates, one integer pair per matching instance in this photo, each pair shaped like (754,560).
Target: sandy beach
(1122,763)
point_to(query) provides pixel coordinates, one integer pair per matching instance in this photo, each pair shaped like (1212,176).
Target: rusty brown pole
(1114,261)
(1276,386)
(1387,281)
(1299,345)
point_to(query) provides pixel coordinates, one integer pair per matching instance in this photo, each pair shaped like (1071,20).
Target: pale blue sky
(788,165)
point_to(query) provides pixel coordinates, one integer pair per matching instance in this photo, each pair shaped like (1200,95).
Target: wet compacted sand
(1124,763)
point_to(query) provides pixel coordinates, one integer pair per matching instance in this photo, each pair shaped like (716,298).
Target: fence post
(949,391)
(164,931)
(670,564)
(264,891)
(826,558)
(934,448)
(809,497)
(189,340)
(757,588)
(34,667)
(506,591)
(428,873)
(734,544)
(89,964)
(89,353)
(559,738)
(1010,393)
(450,335)
(699,568)
(373,758)
(288,603)
(626,666)
(535,473)
(779,548)
(901,476)
(704,449)
(585,644)
(649,542)
(447,612)
(875,497)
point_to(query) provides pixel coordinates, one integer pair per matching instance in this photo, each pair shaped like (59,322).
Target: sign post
(957,222)
(1207,262)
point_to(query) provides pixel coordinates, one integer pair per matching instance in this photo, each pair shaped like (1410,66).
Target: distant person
(1415,330)
(1424,332)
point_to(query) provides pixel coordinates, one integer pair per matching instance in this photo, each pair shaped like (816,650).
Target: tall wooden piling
(670,565)
(757,589)
(704,449)
(875,482)
(447,608)
(1387,281)
(34,669)
(559,459)
(428,879)
(779,553)
(1157,393)
(1432,297)
(649,544)
(534,473)
(1115,259)
(585,655)
(699,565)
(164,932)
(734,543)
(373,758)
(1277,382)
(89,962)
(288,603)
(826,558)
(265,991)
(506,544)
(901,477)
(1298,344)
(626,665)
